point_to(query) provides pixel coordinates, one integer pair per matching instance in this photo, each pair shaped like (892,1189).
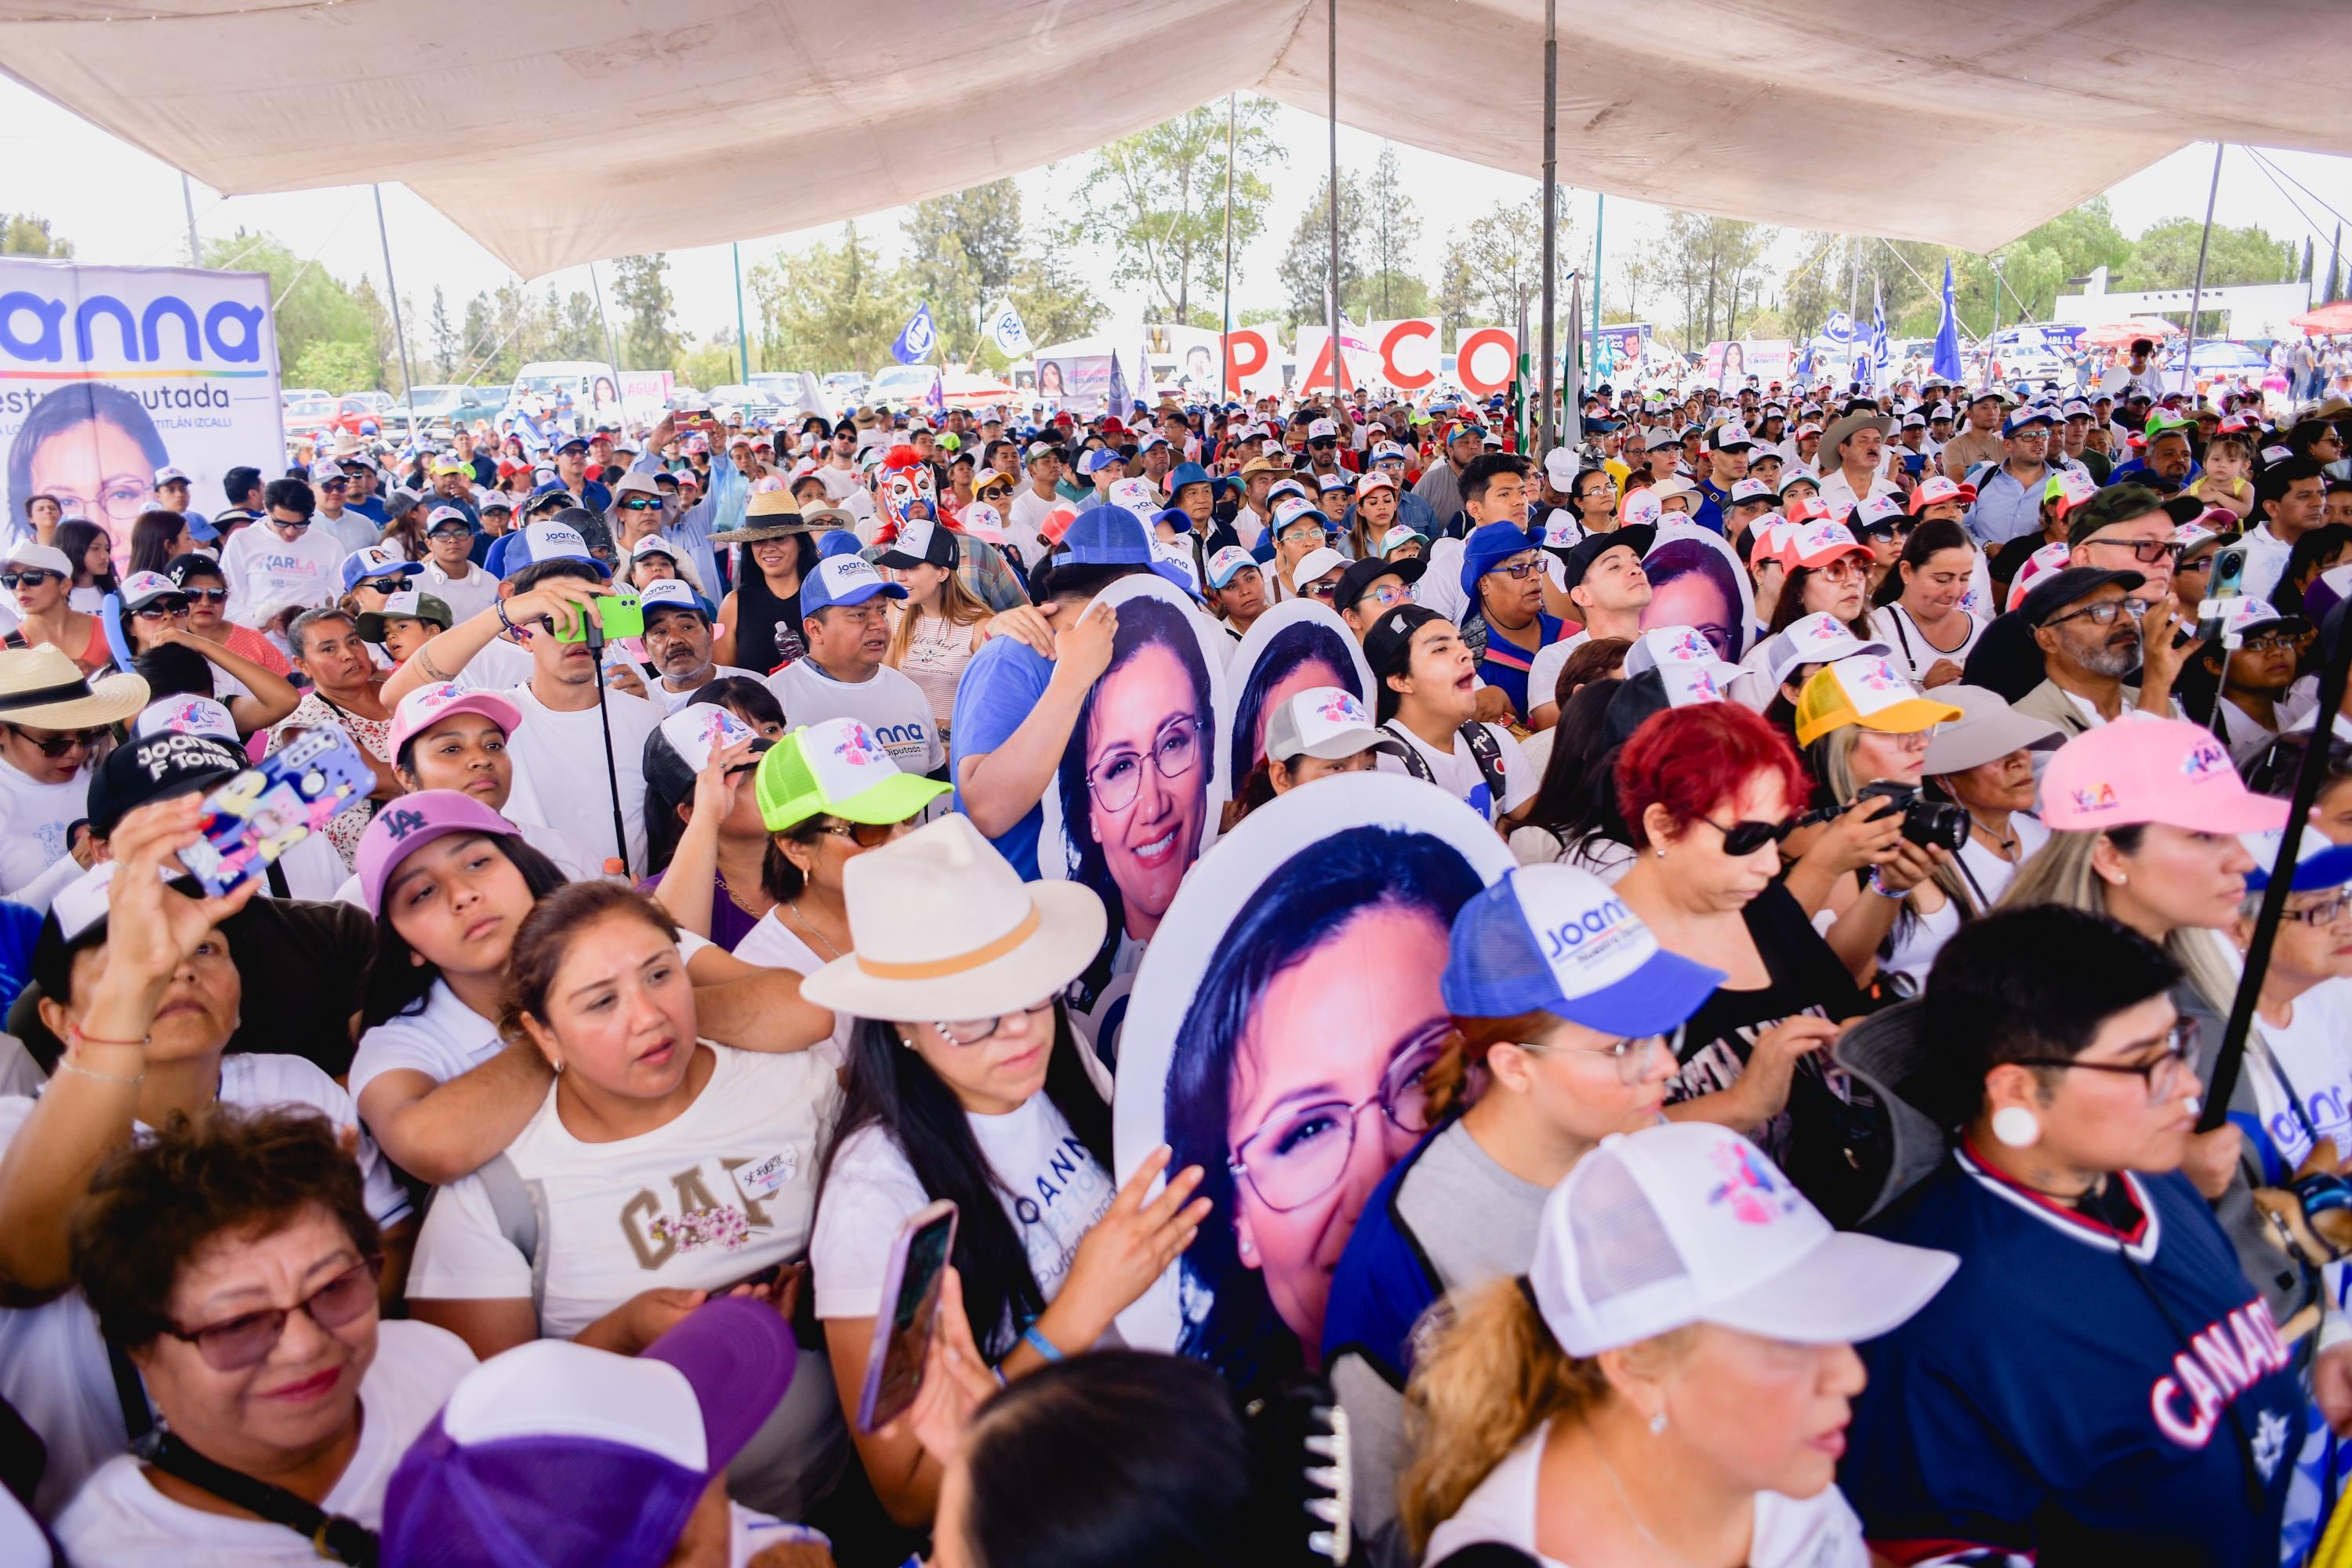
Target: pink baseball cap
(428,705)
(408,824)
(2138,771)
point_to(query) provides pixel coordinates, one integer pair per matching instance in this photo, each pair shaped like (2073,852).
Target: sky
(121,205)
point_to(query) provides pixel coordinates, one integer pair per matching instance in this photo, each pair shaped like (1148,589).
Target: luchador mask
(908,488)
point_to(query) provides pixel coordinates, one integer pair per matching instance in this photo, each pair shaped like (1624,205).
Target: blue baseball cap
(1184,474)
(2025,417)
(539,544)
(1489,546)
(1100,457)
(843,581)
(1552,938)
(1175,517)
(839,541)
(1109,536)
(2318,864)
(377,561)
(674,593)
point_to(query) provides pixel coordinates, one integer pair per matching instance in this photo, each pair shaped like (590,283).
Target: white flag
(1006,331)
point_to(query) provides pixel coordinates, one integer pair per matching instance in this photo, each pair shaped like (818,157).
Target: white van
(580,394)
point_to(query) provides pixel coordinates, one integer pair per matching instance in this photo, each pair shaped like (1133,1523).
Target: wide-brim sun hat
(945,928)
(43,688)
(1987,730)
(769,515)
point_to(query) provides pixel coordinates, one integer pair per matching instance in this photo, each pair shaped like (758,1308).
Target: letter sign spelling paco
(1408,350)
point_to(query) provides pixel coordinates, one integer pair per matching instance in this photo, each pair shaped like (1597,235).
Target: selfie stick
(2335,640)
(604,714)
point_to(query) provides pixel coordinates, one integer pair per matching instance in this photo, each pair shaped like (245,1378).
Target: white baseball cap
(1321,428)
(41,558)
(699,729)
(169,476)
(1324,722)
(1226,564)
(1559,466)
(1815,640)
(1317,563)
(983,522)
(186,716)
(1642,509)
(1661,647)
(1689,1223)
(1135,495)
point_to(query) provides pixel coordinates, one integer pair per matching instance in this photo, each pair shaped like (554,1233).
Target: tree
(1305,269)
(961,253)
(1491,263)
(27,234)
(1391,232)
(312,305)
(1054,303)
(1157,200)
(443,336)
(336,367)
(829,306)
(713,364)
(2164,257)
(641,289)
(1710,267)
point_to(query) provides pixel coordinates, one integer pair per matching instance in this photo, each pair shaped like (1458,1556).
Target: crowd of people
(1802,1163)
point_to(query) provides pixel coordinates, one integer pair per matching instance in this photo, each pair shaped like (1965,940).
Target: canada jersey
(2079,1391)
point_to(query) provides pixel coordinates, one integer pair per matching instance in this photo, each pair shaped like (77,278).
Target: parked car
(308,411)
(442,410)
(845,386)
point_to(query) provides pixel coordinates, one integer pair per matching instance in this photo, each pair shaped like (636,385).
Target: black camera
(1926,823)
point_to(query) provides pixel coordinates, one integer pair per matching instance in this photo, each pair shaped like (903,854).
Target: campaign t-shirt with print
(34,817)
(892,708)
(267,574)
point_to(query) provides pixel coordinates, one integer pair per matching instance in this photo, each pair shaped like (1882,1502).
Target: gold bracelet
(63,1066)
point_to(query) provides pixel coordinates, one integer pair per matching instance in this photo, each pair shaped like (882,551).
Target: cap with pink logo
(697,731)
(1136,495)
(1689,1223)
(1817,544)
(1327,722)
(1662,646)
(428,705)
(186,716)
(2051,557)
(1640,508)
(982,521)
(1818,638)
(2138,771)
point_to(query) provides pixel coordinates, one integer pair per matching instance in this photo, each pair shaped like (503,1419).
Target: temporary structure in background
(606,128)
(2335,318)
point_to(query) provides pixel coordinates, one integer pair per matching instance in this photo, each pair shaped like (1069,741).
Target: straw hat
(43,688)
(946,929)
(769,515)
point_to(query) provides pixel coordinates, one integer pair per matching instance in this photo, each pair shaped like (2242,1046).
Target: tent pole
(1543,426)
(743,336)
(2196,290)
(407,381)
(611,348)
(1600,203)
(1339,396)
(188,200)
(1224,391)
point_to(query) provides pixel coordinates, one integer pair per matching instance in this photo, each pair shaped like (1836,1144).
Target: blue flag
(1117,396)
(1881,358)
(1947,333)
(916,339)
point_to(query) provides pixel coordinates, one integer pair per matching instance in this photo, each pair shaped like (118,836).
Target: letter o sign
(1484,361)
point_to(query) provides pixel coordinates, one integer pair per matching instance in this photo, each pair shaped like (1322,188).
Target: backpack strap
(1487,752)
(1414,763)
(332,1536)
(522,1210)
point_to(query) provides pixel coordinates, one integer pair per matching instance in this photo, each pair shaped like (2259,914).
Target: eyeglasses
(2101,615)
(1300,1154)
(1631,1055)
(2272,642)
(2325,914)
(1747,837)
(864,835)
(380,585)
(2147,551)
(64,740)
(331,485)
(1384,597)
(247,1339)
(2161,1072)
(1115,781)
(207,595)
(971,1031)
(1322,591)
(1304,531)
(1517,569)
(31,577)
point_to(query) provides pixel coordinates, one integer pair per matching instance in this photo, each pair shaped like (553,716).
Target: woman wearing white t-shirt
(52,736)
(1981,764)
(660,1168)
(234,1261)
(997,1112)
(142,986)
(1928,632)
(1617,1405)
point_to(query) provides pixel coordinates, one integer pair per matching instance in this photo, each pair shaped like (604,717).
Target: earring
(905,1042)
(2016,1126)
(1658,1425)
(1660,851)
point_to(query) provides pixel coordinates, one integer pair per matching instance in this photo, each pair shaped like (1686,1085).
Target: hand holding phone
(618,615)
(265,810)
(911,1304)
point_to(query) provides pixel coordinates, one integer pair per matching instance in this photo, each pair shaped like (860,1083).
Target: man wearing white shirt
(1852,458)
(1025,521)
(842,676)
(351,530)
(679,642)
(450,574)
(281,564)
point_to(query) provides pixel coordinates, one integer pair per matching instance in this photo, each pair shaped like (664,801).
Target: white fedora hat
(42,686)
(945,928)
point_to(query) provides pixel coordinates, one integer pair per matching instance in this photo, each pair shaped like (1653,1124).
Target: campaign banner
(1623,347)
(1730,365)
(645,393)
(109,374)
(1081,383)
(1252,362)
(1485,359)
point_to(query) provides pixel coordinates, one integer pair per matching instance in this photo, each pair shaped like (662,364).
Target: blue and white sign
(1007,332)
(916,339)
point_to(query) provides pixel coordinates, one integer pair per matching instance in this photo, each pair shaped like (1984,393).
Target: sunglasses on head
(30,577)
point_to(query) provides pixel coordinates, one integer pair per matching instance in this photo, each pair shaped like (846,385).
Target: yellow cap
(1863,689)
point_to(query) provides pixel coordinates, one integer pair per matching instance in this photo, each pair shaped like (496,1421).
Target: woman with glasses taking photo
(967,1082)
(1554,1047)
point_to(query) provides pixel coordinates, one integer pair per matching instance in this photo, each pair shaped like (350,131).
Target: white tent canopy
(562,132)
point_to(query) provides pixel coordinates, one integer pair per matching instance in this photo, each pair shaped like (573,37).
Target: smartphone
(902,1333)
(2228,581)
(693,421)
(623,617)
(265,810)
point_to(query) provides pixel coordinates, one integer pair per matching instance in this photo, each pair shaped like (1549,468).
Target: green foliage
(713,364)
(313,306)
(28,234)
(1055,303)
(1710,269)
(1305,269)
(642,297)
(2164,257)
(336,367)
(1156,201)
(963,252)
(829,306)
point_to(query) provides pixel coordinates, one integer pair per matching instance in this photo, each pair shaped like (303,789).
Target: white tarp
(557,133)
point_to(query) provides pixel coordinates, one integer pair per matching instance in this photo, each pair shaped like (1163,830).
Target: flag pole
(1338,396)
(1224,349)
(1543,426)
(2197,291)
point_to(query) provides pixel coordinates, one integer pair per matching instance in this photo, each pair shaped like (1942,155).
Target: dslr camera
(1926,823)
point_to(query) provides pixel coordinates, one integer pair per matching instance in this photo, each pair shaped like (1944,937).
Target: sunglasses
(640,504)
(207,595)
(1747,837)
(246,1340)
(161,610)
(1322,591)
(64,740)
(864,835)
(31,577)
(336,485)
(380,585)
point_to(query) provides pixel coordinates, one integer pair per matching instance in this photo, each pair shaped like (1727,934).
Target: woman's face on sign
(1694,600)
(1310,673)
(1147,781)
(1337,1041)
(97,469)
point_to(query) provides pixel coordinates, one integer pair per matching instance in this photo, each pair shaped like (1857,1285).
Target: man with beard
(842,676)
(2089,634)
(677,642)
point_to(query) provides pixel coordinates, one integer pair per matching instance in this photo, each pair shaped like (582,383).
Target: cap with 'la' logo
(2153,770)
(412,822)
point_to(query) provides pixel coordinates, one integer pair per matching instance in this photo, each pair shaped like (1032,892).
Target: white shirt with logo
(889,704)
(265,573)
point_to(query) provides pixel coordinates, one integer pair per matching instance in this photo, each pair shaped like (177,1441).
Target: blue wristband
(1040,1343)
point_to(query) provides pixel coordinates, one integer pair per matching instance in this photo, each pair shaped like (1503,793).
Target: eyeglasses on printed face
(1300,1153)
(1116,781)
(58,744)
(2162,1073)
(248,1339)
(971,1031)
(30,577)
